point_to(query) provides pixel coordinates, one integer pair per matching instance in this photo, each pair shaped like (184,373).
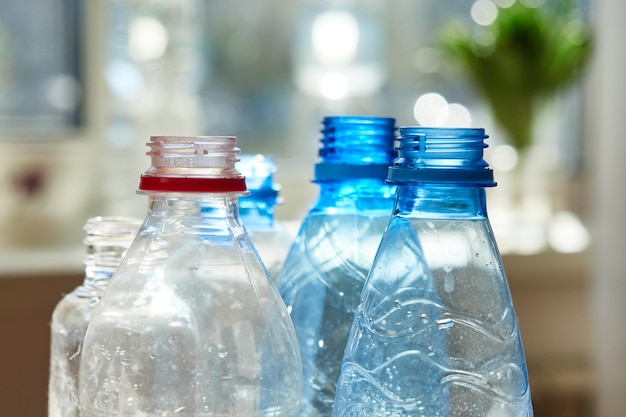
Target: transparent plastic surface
(270,238)
(272,243)
(191,325)
(326,267)
(323,276)
(435,333)
(107,240)
(361,140)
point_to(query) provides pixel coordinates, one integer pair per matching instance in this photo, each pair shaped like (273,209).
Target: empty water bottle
(270,238)
(106,242)
(435,333)
(191,325)
(324,272)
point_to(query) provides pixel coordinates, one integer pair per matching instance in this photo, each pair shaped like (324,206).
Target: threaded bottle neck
(432,155)
(107,240)
(355,147)
(257,208)
(258,171)
(192,164)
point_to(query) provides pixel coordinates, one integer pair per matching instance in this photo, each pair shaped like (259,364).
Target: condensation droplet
(444,324)
(449,283)
(222,352)
(424,318)
(410,406)
(397,304)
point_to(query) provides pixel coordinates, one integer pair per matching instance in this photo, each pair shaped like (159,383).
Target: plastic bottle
(106,242)
(271,240)
(191,325)
(326,267)
(435,333)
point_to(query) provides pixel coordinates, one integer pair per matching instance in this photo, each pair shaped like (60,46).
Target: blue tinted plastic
(257,208)
(270,239)
(356,147)
(326,266)
(435,155)
(435,333)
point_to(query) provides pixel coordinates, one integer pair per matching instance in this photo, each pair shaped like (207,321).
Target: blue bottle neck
(257,208)
(355,195)
(440,201)
(257,213)
(355,147)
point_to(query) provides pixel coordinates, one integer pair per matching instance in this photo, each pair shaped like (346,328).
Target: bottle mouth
(355,147)
(193,164)
(441,155)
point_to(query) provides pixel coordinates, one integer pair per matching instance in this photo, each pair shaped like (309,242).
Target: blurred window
(40,66)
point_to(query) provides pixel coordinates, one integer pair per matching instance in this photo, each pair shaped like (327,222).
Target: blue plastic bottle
(326,267)
(435,333)
(271,240)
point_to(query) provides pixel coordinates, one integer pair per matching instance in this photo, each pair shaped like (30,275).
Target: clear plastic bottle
(271,240)
(435,333)
(191,325)
(106,242)
(326,267)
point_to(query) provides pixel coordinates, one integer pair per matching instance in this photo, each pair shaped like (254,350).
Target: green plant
(525,55)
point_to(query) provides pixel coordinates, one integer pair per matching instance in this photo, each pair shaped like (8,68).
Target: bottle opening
(193,164)
(441,155)
(356,147)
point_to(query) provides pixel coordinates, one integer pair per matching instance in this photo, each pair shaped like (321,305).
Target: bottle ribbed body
(106,242)
(324,271)
(191,325)
(435,333)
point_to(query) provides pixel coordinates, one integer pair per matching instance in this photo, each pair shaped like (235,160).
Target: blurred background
(84,84)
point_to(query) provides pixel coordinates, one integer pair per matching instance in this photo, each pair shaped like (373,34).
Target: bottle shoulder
(73,308)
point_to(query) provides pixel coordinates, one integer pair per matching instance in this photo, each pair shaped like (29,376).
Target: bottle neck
(440,201)
(361,195)
(100,265)
(106,243)
(203,206)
